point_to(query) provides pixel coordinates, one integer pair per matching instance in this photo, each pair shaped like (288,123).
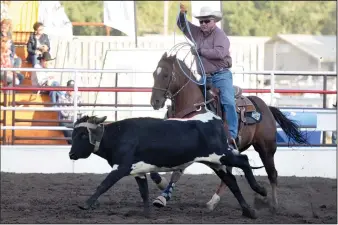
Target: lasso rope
(181,45)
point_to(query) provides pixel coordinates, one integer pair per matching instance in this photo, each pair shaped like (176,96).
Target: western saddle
(243,105)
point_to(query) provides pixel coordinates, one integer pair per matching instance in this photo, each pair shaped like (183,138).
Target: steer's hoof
(147,213)
(160,202)
(87,206)
(273,209)
(84,206)
(250,213)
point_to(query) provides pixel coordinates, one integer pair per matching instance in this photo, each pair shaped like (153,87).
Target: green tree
(242,18)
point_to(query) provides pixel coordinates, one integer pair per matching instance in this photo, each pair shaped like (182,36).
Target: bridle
(168,95)
(167,92)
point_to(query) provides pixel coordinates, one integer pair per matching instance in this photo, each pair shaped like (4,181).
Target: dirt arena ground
(41,198)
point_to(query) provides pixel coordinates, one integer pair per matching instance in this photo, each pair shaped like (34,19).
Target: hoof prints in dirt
(53,198)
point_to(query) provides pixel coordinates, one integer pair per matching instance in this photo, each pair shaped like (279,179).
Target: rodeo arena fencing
(317,159)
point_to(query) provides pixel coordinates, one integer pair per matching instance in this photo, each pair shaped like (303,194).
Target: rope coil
(181,45)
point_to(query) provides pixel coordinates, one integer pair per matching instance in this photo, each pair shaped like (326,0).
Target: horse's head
(166,82)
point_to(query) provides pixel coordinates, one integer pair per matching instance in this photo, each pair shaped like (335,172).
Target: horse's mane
(173,58)
(185,67)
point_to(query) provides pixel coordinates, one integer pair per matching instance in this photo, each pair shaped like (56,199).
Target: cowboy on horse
(212,47)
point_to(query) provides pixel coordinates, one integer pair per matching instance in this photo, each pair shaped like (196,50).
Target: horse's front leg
(161,182)
(212,203)
(166,195)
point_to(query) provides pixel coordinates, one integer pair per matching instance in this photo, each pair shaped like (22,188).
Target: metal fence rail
(131,107)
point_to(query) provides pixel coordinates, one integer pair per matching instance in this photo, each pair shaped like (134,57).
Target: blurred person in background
(6,32)
(7,63)
(4,9)
(68,98)
(47,79)
(334,133)
(37,44)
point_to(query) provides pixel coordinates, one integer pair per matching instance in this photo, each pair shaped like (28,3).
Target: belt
(217,71)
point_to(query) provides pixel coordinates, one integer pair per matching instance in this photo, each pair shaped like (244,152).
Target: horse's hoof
(163,184)
(211,205)
(250,213)
(160,202)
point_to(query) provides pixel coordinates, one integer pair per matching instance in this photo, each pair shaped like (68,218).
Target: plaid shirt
(66,98)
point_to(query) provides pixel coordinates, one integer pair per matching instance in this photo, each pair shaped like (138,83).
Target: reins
(175,49)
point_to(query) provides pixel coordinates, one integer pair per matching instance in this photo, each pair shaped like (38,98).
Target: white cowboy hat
(206,11)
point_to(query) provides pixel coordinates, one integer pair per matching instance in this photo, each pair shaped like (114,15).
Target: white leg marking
(213,202)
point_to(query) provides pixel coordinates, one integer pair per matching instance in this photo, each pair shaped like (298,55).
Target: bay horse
(257,121)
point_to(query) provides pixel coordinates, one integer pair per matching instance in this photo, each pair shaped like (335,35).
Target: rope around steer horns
(93,138)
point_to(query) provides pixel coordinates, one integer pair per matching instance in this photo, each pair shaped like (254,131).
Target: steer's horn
(100,119)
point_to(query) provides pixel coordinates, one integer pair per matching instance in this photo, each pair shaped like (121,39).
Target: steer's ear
(100,120)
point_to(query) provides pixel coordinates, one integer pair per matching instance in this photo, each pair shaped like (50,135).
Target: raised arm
(183,27)
(30,45)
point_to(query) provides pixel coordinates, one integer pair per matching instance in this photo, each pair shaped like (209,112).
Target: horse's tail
(290,127)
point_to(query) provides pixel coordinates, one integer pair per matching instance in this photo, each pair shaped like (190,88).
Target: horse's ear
(164,56)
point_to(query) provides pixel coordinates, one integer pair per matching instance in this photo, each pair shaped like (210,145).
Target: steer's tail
(290,127)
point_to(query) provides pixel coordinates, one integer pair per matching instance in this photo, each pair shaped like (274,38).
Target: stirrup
(233,142)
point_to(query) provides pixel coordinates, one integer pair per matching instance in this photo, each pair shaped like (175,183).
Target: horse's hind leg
(166,194)
(267,157)
(230,180)
(212,203)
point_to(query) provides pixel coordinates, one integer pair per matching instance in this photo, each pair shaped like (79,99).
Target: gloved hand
(195,51)
(182,8)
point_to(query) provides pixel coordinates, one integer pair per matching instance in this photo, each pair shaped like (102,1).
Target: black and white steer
(137,146)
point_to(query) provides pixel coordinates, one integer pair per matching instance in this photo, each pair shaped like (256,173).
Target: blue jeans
(33,59)
(55,95)
(223,81)
(17,62)
(20,77)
